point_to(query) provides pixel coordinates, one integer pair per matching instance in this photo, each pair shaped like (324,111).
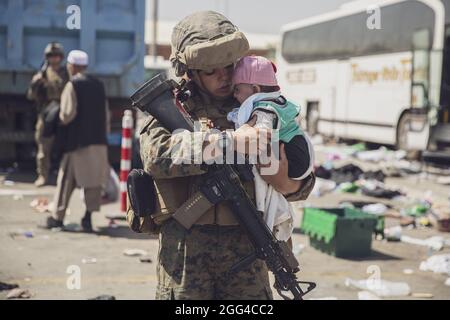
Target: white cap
(78,57)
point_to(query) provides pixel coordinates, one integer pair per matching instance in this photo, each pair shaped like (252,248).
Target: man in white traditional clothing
(83,116)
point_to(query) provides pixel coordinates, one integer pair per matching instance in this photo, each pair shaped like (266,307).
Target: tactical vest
(89,125)
(172,193)
(56,83)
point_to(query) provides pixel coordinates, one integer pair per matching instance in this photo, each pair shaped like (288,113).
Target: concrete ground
(44,261)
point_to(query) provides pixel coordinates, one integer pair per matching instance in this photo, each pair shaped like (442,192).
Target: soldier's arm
(165,155)
(32,89)
(304,191)
(69,102)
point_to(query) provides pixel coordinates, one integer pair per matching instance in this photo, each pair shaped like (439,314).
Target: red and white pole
(125,162)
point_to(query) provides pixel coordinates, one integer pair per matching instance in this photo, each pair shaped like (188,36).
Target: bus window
(349,36)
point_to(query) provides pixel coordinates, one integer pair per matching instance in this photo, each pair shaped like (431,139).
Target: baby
(256,88)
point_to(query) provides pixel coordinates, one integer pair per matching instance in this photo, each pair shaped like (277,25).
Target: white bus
(388,85)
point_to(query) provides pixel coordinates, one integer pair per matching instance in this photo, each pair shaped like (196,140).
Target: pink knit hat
(255,70)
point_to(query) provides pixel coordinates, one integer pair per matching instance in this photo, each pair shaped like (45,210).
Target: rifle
(41,91)
(162,98)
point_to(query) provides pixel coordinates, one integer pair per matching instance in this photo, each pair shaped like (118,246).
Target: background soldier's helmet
(54,48)
(205,41)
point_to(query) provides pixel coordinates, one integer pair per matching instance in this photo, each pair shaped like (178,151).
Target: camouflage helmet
(206,40)
(54,48)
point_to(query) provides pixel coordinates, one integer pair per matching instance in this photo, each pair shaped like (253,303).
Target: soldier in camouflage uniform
(194,264)
(45,90)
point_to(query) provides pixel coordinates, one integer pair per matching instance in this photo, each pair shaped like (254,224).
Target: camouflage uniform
(52,83)
(194,264)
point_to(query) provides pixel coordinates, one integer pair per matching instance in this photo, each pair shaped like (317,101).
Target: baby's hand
(252,141)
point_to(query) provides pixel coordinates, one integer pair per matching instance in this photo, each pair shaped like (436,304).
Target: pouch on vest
(141,192)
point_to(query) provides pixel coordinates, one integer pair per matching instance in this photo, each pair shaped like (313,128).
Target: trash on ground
(135,252)
(443,180)
(8,183)
(18,197)
(435,243)
(439,217)
(145,260)
(424,222)
(417,210)
(28,234)
(393,233)
(21,234)
(447,282)
(348,187)
(381,288)
(381,154)
(377,189)
(367,295)
(7,286)
(437,264)
(373,175)
(104,297)
(19,294)
(89,260)
(408,271)
(41,205)
(347,173)
(358,147)
(375,208)
(407,167)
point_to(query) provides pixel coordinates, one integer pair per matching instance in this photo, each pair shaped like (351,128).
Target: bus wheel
(312,119)
(404,126)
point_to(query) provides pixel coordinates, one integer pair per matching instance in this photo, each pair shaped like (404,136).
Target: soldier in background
(45,90)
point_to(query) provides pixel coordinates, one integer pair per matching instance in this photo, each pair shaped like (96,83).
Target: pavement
(76,265)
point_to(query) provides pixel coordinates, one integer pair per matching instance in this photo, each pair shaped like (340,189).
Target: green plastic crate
(341,232)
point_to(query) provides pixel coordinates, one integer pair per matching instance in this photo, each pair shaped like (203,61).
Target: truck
(110,31)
